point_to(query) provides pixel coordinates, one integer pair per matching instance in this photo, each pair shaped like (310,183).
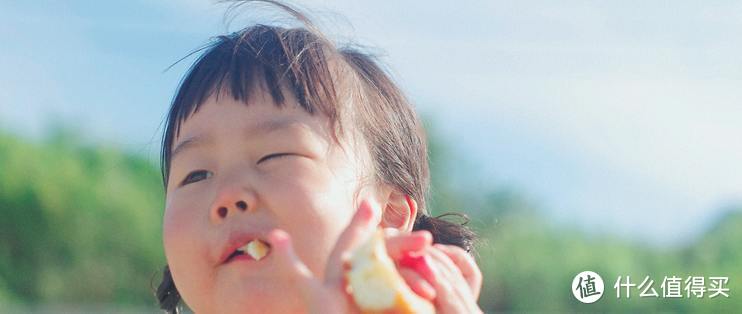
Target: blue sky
(622,116)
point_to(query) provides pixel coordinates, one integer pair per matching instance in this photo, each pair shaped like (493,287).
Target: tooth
(257,249)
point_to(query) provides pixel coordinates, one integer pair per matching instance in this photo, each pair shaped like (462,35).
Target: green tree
(77,223)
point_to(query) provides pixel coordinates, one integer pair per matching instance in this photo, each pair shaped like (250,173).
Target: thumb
(364,222)
(282,249)
(310,287)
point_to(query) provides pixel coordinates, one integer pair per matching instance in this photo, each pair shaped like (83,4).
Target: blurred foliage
(80,224)
(528,262)
(77,223)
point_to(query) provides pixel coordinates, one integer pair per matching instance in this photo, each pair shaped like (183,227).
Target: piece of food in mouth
(377,286)
(256,248)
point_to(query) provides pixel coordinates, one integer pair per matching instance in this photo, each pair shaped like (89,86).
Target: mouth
(250,249)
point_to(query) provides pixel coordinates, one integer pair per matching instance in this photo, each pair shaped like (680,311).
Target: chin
(273,304)
(259,297)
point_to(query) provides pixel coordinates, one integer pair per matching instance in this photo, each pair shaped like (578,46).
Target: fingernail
(424,234)
(427,289)
(367,211)
(419,263)
(390,232)
(278,237)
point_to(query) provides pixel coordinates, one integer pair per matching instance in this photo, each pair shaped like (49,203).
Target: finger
(444,270)
(450,271)
(283,254)
(364,222)
(445,298)
(466,263)
(417,283)
(282,250)
(453,292)
(398,245)
(420,263)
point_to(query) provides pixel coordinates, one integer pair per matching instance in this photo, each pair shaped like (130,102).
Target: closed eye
(274,156)
(195,176)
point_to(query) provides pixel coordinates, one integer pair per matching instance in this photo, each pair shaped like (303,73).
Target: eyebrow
(261,128)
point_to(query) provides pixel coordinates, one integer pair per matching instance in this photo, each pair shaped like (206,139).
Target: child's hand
(327,295)
(445,274)
(406,251)
(456,278)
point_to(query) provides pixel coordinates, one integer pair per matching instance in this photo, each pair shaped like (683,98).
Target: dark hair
(319,75)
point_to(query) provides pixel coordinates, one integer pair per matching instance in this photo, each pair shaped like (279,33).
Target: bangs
(257,58)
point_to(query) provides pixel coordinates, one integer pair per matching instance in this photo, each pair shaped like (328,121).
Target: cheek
(315,233)
(176,226)
(185,252)
(317,206)
(184,227)
(176,229)
(183,217)
(170,232)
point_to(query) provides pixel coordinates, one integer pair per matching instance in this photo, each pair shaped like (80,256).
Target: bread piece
(377,286)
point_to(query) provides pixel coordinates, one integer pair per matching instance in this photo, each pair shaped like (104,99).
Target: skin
(311,205)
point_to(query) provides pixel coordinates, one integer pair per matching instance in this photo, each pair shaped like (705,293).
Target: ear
(399,212)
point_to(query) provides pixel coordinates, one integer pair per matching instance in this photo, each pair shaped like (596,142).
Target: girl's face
(225,158)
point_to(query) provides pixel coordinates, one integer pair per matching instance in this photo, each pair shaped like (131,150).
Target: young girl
(277,136)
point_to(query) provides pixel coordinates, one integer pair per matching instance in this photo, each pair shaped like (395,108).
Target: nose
(230,202)
(222,211)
